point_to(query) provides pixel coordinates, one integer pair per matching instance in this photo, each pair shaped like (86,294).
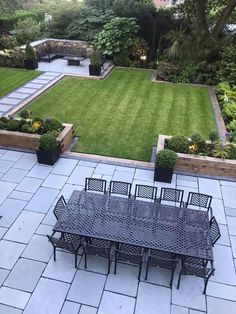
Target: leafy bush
(232,125)
(13,58)
(4,119)
(13,125)
(213,136)
(51,124)
(95,57)
(232,137)
(25,114)
(166,158)
(48,142)
(199,142)
(27,128)
(229,110)
(29,52)
(166,71)
(188,73)
(232,151)
(122,59)
(179,144)
(3,126)
(220,151)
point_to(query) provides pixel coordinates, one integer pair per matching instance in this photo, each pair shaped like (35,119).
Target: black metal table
(150,225)
(73,60)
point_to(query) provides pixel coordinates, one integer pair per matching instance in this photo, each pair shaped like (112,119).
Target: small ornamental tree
(29,52)
(118,36)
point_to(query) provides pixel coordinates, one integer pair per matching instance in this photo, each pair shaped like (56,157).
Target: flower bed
(201,164)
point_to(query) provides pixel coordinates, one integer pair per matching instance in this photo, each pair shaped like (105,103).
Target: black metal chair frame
(94,184)
(197,267)
(163,260)
(123,255)
(59,207)
(200,200)
(145,191)
(171,195)
(214,230)
(67,242)
(120,187)
(95,247)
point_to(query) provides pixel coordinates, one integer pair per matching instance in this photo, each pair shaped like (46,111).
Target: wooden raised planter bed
(28,141)
(201,164)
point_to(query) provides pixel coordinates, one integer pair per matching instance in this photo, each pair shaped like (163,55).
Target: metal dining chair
(119,187)
(145,191)
(171,195)
(94,184)
(201,201)
(59,207)
(214,231)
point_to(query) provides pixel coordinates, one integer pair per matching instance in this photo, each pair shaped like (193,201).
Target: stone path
(20,96)
(32,283)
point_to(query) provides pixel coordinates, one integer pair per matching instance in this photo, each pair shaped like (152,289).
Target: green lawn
(10,79)
(123,115)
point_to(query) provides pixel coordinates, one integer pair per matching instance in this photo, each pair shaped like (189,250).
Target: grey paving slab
(34,85)
(4,108)
(233,243)
(153,299)
(186,178)
(47,77)
(9,210)
(64,166)
(144,175)
(87,288)
(55,181)
(4,309)
(14,175)
(210,187)
(218,210)
(40,171)
(5,165)
(195,312)
(125,281)
(218,290)
(6,188)
(189,183)
(90,164)
(24,227)
(186,191)
(79,174)
(40,81)
(230,211)
(24,196)
(38,249)
(18,95)
(70,308)
(2,231)
(125,169)
(68,189)
(88,310)
(219,306)
(224,265)
(123,176)
(50,295)
(9,252)
(105,169)
(12,155)
(159,276)
(27,161)
(179,310)
(168,185)
(14,297)
(53,74)
(232,225)
(228,183)
(26,90)
(3,151)
(224,239)
(115,303)
(50,218)
(30,185)
(44,230)
(95,263)
(189,293)
(3,275)
(228,192)
(63,269)
(9,101)
(25,275)
(42,200)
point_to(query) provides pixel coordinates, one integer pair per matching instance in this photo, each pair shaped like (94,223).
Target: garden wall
(30,141)
(201,164)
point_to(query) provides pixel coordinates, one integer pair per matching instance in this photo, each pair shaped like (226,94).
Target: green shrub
(51,124)
(232,137)
(179,144)
(4,119)
(232,125)
(166,71)
(13,58)
(220,151)
(229,110)
(166,158)
(48,142)
(29,52)
(95,57)
(232,151)
(198,140)
(213,136)
(27,128)
(3,126)
(13,125)
(25,114)
(122,59)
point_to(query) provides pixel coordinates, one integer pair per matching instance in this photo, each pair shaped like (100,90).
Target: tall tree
(8,7)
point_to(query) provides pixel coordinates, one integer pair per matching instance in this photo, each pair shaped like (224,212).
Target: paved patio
(32,283)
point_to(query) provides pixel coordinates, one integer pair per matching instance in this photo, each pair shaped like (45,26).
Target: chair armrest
(210,213)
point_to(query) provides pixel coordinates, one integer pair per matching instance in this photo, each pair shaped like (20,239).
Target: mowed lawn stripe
(122,115)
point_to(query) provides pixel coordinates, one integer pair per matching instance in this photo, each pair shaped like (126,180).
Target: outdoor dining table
(151,225)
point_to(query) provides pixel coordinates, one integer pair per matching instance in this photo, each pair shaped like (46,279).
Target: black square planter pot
(163,174)
(95,70)
(31,64)
(47,158)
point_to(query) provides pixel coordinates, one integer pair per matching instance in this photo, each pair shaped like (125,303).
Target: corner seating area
(121,251)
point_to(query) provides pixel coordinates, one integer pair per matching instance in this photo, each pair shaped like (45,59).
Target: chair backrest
(145,191)
(214,230)
(119,187)
(171,195)
(197,267)
(199,200)
(59,207)
(94,184)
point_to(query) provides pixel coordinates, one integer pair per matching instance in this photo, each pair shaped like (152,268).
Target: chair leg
(205,284)
(109,265)
(140,270)
(146,274)
(54,254)
(172,276)
(179,280)
(76,259)
(115,265)
(85,259)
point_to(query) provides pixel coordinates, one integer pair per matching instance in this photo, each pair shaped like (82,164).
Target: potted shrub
(165,162)
(48,151)
(31,61)
(95,63)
